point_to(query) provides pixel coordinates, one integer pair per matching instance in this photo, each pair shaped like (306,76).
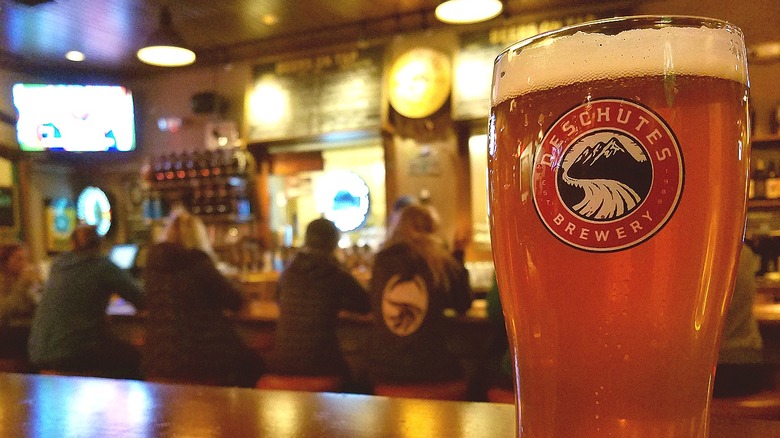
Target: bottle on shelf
(772,182)
(178,166)
(158,169)
(759,179)
(170,173)
(189,165)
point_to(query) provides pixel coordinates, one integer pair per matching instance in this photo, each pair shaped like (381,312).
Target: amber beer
(618,159)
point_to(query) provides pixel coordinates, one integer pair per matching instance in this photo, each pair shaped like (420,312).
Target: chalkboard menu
(316,95)
(473,65)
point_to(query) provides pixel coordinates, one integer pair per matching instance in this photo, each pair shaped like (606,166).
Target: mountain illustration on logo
(591,155)
(605,181)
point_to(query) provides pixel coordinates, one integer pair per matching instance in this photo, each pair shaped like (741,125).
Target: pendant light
(468,11)
(165,47)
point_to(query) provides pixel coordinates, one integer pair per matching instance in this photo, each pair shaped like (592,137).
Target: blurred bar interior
(289,114)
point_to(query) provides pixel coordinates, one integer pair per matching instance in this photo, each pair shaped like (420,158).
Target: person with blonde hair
(188,336)
(189,231)
(414,279)
(70,332)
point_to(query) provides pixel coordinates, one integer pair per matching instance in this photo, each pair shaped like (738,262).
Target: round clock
(419,82)
(94,208)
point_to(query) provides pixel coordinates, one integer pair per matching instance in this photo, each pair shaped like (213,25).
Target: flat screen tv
(74,118)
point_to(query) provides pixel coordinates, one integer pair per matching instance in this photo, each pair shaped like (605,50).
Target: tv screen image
(74,118)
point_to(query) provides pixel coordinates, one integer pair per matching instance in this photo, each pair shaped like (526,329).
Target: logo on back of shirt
(404,304)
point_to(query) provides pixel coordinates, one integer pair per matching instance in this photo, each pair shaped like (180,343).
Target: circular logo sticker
(608,175)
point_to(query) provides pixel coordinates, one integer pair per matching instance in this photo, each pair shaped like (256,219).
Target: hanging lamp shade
(468,11)
(165,47)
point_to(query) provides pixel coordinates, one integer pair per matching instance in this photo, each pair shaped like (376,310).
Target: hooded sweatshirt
(312,290)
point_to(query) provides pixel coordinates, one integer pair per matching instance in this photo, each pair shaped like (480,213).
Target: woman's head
(187,230)
(414,222)
(321,235)
(13,258)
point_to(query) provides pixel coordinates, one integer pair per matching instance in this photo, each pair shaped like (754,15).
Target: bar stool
(455,390)
(764,405)
(13,365)
(497,394)
(53,372)
(185,381)
(301,383)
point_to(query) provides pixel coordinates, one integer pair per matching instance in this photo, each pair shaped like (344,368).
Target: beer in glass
(618,159)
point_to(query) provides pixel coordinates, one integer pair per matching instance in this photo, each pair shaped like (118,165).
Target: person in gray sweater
(70,332)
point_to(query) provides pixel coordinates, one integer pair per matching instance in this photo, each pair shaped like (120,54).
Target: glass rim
(628,22)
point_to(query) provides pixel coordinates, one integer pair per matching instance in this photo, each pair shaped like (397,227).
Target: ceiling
(35,38)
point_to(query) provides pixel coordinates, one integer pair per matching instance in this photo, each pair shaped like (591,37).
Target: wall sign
(60,223)
(94,208)
(343,197)
(419,82)
(321,94)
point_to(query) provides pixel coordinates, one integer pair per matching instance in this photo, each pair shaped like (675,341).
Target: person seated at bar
(19,294)
(19,283)
(414,280)
(741,369)
(70,332)
(189,338)
(312,290)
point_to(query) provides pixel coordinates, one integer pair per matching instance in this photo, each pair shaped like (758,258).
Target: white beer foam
(585,57)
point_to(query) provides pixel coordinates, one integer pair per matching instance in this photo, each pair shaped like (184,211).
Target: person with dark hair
(414,280)
(189,338)
(312,290)
(70,332)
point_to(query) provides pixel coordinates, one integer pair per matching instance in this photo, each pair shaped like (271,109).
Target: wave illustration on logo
(604,176)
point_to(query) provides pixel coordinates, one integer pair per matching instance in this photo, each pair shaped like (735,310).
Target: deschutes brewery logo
(608,176)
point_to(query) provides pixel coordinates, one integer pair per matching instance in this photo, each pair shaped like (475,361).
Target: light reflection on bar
(95,406)
(283,414)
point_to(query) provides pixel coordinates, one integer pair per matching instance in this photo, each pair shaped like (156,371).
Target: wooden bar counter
(56,406)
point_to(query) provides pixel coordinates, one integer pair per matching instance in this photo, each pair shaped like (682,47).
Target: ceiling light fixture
(468,11)
(764,53)
(75,56)
(165,47)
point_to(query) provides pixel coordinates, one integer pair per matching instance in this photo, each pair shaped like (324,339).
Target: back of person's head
(85,238)
(414,222)
(187,230)
(403,201)
(321,235)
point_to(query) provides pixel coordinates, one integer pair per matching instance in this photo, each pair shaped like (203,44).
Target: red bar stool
(497,394)
(13,365)
(185,381)
(455,390)
(53,372)
(301,383)
(764,405)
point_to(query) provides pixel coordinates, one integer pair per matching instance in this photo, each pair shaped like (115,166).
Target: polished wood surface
(57,406)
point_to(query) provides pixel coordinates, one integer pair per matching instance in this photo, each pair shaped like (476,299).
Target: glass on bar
(618,162)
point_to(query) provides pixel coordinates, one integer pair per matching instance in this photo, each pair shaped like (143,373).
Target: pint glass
(618,159)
